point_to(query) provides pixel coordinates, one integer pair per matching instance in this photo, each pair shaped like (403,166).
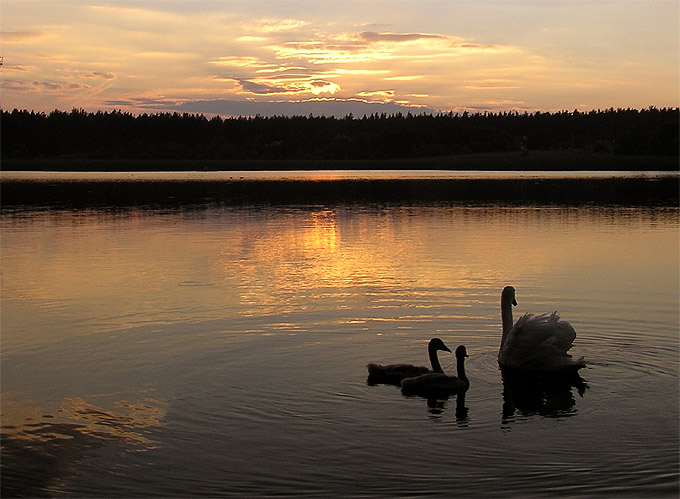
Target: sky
(321,57)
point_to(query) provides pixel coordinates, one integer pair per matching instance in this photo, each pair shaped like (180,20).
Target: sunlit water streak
(223,351)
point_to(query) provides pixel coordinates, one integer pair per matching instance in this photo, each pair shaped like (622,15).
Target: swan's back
(433,384)
(393,374)
(540,342)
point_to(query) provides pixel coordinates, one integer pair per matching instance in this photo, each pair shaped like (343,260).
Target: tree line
(120,135)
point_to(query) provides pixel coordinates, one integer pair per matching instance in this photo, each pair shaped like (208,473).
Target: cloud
(100,75)
(352,61)
(241,62)
(150,103)
(384,94)
(262,88)
(317,107)
(42,86)
(17,67)
(374,37)
(354,72)
(339,51)
(250,38)
(373,46)
(277,25)
(405,78)
(19,36)
(293,84)
(143,20)
(494,84)
(322,87)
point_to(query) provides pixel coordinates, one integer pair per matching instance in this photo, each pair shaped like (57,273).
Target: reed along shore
(626,191)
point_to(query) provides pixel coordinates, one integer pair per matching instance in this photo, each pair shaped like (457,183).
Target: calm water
(327,175)
(222,351)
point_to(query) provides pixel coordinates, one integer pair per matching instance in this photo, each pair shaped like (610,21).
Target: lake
(216,349)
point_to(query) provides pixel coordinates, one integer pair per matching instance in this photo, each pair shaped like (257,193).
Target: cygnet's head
(508,295)
(437,344)
(461,352)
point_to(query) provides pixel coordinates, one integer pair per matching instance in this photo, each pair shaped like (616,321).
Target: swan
(439,383)
(393,374)
(535,342)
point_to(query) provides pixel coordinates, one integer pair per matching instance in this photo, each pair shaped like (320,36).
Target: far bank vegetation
(116,135)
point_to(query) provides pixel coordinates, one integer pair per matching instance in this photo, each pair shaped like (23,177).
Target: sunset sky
(247,57)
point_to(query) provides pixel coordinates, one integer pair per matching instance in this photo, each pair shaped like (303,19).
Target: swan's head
(461,352)
(508,295)
(437,344)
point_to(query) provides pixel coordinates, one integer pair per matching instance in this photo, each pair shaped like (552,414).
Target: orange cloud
(286,86)
(43,86)
(19,36)
(383,94)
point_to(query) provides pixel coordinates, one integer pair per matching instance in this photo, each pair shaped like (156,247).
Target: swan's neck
(460,365)
(434,360)
(506,316)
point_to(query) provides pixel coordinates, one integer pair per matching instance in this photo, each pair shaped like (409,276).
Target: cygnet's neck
(460,365)
(434,360)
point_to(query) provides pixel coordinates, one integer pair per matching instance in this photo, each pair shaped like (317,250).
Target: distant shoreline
(532,161)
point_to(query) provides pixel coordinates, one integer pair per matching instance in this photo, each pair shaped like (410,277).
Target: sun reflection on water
(41,449)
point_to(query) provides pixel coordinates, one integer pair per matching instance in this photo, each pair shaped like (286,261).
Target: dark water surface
(221,350)
(169,189)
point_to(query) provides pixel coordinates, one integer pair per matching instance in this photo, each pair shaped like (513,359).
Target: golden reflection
(322,234)
(379,261)
(127,423)
(95,266)
(42,450)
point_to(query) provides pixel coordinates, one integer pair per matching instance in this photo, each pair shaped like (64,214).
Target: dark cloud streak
(42,86)
(317,107)
(372,36)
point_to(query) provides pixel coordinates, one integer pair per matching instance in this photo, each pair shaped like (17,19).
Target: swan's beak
(514,302)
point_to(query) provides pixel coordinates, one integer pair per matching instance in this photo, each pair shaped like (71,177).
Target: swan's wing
(544,331)
(539,342)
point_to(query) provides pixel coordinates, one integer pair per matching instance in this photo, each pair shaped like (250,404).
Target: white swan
(393,374)
(535,342)
(433,384)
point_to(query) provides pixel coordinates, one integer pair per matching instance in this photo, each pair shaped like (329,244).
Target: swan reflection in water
(437,387)
(548,395)
(437,406)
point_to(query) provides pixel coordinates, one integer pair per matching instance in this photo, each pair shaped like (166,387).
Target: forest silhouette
(117,135)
